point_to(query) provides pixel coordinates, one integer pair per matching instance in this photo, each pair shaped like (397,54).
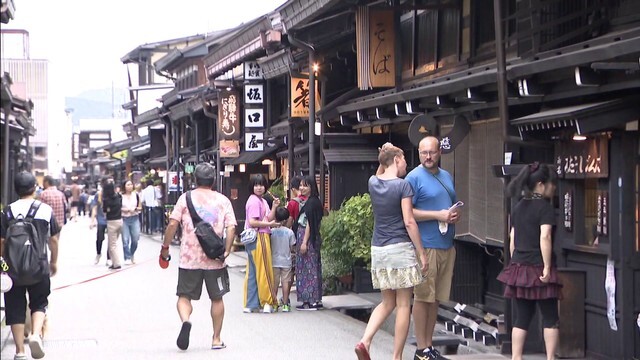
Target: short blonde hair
(388,152)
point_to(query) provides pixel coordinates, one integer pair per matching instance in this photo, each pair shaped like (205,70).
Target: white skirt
(395,267)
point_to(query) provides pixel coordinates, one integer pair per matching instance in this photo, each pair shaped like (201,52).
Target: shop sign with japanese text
(253,118)
(300,97)
(252,70)
(382,68)
(253,141)
(583,159)
(253,94)
(229,115)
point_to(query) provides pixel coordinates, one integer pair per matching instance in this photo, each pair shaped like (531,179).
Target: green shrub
(336,257)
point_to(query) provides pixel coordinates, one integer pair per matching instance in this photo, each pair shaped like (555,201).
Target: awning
(584,118)
(250,157)
(276,64)
(157,161)
(147,116)
(351,154)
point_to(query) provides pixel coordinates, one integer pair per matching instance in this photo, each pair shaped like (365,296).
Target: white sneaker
(35,344)
(267,309)
(97,259)
(108,263)
(133,260)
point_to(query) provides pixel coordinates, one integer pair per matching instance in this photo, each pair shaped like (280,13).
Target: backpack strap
(195,218)
(33,209)
(9,214)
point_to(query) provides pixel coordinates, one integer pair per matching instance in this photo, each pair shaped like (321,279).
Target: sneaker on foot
(285,308)
(133,260)
(318,305)
(267,309)
(108,263)
(35,344)
(20,356)
(306,307)
(97,260)
(183,337)
(432,353)
(250,310)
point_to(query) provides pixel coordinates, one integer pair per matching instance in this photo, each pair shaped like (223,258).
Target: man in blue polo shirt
(433,196)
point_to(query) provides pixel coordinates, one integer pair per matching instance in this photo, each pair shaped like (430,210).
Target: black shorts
(15,300)
(190,283)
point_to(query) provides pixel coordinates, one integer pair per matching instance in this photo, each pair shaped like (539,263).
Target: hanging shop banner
(253,141)
(375,45)
(602,224)
(173,181)
(253,118)
(567,200)
(229,148)
(252,71)
(229,115)
(382,48)
(300,97)
(253,94)
(583,159)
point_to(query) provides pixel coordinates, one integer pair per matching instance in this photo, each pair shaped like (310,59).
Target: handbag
(211,243)
(250,235)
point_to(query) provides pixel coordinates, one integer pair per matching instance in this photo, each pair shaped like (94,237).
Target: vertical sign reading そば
(229,115)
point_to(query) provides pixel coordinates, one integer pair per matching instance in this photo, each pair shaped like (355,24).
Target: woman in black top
(531,278)
(308,263)
(112,206)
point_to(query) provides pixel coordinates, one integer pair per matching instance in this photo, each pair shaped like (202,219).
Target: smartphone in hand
(456,206)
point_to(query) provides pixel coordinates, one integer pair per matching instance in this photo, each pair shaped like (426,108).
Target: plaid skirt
(522,281)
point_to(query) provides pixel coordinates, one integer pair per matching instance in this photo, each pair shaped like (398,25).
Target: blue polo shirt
(429,194)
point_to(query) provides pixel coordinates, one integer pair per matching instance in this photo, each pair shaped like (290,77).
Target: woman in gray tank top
(395,244)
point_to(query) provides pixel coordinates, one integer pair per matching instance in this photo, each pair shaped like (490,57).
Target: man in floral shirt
(195,267)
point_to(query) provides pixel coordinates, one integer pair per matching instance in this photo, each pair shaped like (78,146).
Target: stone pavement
(99,314)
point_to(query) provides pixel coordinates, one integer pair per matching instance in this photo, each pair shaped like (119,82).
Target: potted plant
(346,249)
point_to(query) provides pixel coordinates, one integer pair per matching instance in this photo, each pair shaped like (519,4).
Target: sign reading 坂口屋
(253,118)
(583,159)
(300,97)
(229,115)
(253,94)
(253,141)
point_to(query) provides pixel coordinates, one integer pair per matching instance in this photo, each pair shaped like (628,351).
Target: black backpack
(211,243)
(25,253)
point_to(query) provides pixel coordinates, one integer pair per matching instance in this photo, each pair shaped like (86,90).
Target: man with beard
(433,196)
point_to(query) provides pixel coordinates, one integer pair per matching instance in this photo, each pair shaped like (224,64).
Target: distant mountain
(98,104)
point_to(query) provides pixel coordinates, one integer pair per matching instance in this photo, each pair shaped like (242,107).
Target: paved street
(130,314)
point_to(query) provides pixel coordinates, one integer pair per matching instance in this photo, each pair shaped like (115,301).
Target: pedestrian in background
(283,241)
(131,207)
(308,244)
(54,198)
(260,292)
(112,206)
(195,267)
(396,241)
(159,208)
(433,196)
(82,204)
(295,203)
(75,200)
(15,300)
(149,202)
(99,221)
(531,278)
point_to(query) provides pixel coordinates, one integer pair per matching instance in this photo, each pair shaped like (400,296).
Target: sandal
(361,352)
(219,346)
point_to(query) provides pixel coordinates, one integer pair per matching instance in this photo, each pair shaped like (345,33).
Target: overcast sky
(85,39)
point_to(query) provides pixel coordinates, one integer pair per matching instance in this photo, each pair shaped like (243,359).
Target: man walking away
(54,198)
(75,200)
(433,195)
(195,267)
(149,202)
(28,225)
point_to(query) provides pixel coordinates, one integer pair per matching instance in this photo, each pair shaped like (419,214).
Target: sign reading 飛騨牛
(253,118)
(252,70)
(300,97)
(229,115)
(253,141)
(583,159)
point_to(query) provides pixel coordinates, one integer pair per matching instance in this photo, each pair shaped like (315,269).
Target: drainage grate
(71,344)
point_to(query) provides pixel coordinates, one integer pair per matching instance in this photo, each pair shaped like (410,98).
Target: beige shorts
(282,274)
(437,284)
